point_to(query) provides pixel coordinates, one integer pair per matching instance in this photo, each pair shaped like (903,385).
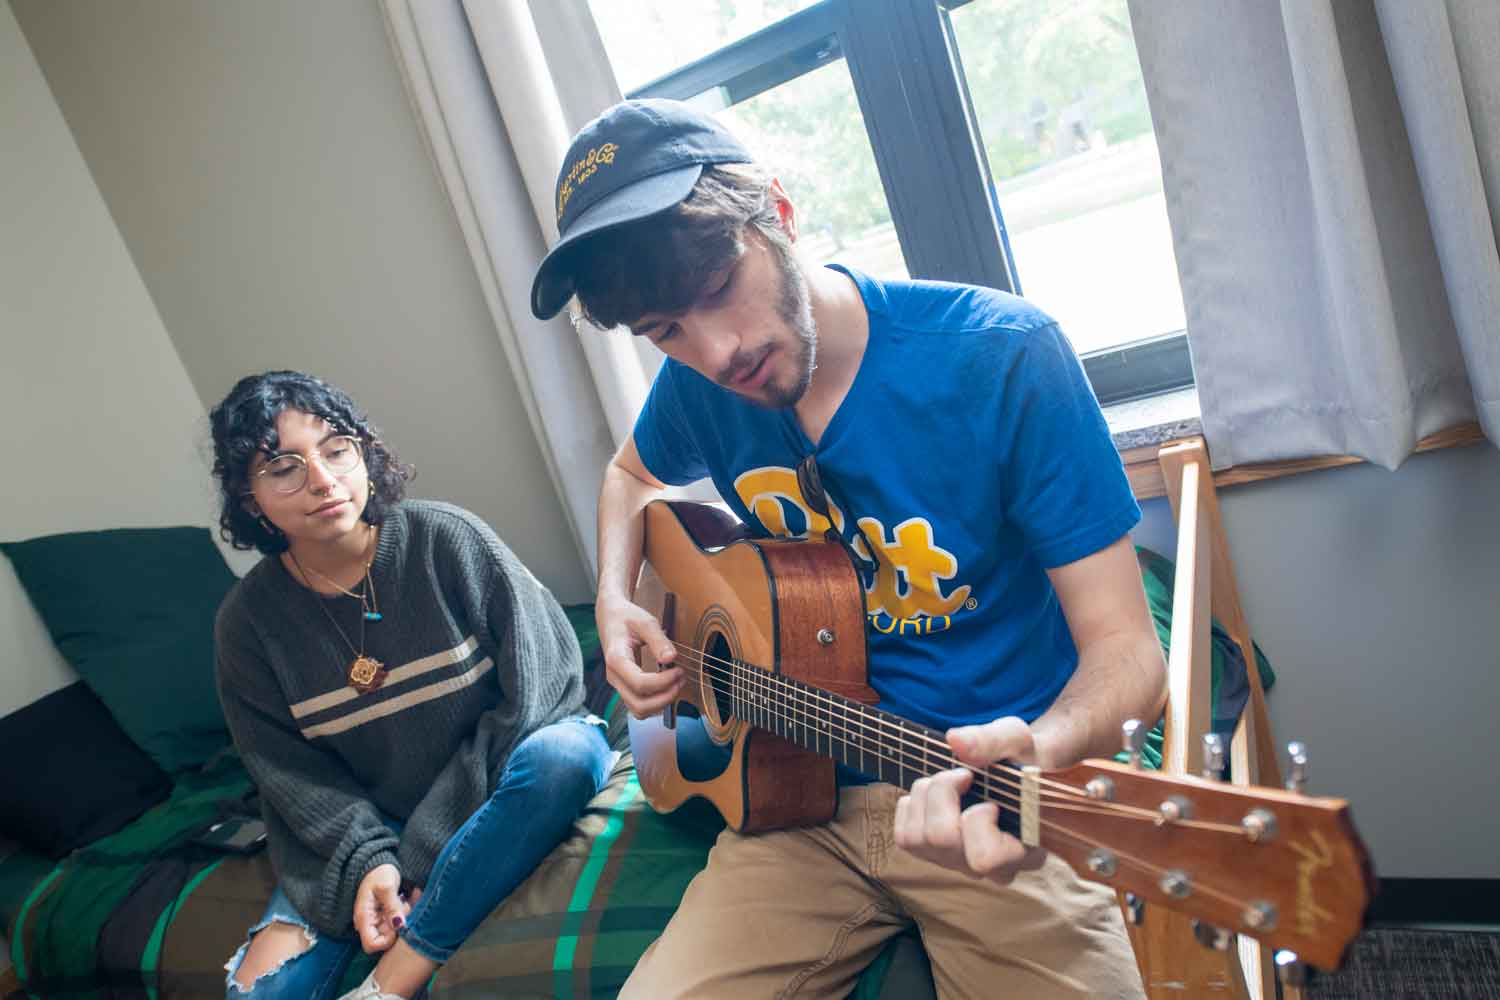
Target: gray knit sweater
(479,656)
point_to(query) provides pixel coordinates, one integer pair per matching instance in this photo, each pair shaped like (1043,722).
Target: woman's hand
(377,906)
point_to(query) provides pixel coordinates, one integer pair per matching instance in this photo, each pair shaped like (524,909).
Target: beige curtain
(499,87)
(1332,170)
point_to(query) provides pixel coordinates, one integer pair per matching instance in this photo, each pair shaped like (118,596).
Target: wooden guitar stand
(1174,961)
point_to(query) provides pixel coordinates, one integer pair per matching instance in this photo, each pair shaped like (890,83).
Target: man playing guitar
(949,438)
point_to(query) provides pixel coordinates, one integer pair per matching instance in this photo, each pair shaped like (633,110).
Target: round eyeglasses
(288,473)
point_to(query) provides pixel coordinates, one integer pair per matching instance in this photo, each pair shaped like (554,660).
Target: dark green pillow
(132,609)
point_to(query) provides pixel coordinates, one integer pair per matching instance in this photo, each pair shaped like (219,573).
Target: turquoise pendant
(372,616)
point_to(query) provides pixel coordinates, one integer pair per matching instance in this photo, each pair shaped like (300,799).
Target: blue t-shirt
(971,450)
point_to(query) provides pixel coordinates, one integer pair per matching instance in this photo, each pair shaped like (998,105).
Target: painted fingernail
(398,921)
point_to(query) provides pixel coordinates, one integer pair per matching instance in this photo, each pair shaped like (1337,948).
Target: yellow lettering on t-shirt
(765,491)
(911,554)
(921,561)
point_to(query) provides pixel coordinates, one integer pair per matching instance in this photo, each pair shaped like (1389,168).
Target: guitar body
(790,607)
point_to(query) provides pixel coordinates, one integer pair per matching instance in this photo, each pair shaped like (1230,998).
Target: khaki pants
(799,913)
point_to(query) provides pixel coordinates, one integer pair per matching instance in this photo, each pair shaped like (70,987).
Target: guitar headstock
(1283,867)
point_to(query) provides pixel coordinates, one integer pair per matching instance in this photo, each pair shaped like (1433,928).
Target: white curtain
(1332,170)
(499,88)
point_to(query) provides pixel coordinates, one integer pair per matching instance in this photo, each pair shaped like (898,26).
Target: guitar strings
(1093,806)
(746,678)
(761,681)
(921,758)
(1072,804)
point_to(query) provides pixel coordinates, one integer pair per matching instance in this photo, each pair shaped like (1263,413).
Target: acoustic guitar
(770,635)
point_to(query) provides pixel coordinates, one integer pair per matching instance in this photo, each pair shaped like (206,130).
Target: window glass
(809,133)
(1062,113)
(646,39)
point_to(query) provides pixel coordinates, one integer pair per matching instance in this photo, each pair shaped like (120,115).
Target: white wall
(99,426)
(267,173)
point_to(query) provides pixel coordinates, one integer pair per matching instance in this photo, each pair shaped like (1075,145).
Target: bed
(115,899)
(143,911)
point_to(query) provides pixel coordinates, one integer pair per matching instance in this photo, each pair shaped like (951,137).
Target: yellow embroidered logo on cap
(584,168)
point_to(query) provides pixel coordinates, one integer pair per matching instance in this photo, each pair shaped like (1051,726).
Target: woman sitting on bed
(406,695)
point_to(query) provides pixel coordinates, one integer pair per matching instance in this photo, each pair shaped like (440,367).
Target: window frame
(908,78)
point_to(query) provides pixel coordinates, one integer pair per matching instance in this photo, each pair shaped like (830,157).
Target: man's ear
(785,210)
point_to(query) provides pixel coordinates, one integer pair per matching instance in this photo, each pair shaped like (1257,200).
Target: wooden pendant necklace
(366,673)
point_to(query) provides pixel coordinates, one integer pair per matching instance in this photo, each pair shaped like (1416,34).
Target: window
(999,142)
(809,131)
(648,38)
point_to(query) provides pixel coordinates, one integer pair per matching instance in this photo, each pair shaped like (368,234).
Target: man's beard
(794,307)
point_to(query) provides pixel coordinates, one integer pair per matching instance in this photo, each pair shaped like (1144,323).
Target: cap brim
(554,282)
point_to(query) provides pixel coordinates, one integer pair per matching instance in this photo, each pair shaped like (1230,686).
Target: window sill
(1142,427)
(1155,420)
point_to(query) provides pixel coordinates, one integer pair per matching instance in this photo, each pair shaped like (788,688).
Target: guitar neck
(865,738)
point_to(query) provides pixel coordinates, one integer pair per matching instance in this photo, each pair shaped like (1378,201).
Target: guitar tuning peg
(1296,778)
(1134,738)
(1213,756)
(1135,909)
(1290,970)
(1211,937)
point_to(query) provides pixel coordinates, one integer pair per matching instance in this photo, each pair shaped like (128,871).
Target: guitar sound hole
(700,757)
(716,667)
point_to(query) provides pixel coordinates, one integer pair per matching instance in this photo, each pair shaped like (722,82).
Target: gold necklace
(366,673)
(357,595)
(369,603)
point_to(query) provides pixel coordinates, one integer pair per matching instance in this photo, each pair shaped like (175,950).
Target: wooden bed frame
(1172,961)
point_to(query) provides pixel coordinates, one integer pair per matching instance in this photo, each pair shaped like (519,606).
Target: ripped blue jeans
(550,777)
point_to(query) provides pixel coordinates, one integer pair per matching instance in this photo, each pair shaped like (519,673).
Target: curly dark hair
(245,423)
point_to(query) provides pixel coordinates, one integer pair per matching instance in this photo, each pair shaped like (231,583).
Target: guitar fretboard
(863,737)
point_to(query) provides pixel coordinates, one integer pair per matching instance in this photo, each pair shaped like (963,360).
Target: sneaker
(369,990)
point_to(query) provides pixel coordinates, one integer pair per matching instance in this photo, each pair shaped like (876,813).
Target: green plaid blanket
(95,925)
(146,913)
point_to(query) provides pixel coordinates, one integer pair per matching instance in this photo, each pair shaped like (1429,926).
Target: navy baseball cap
(636,159)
